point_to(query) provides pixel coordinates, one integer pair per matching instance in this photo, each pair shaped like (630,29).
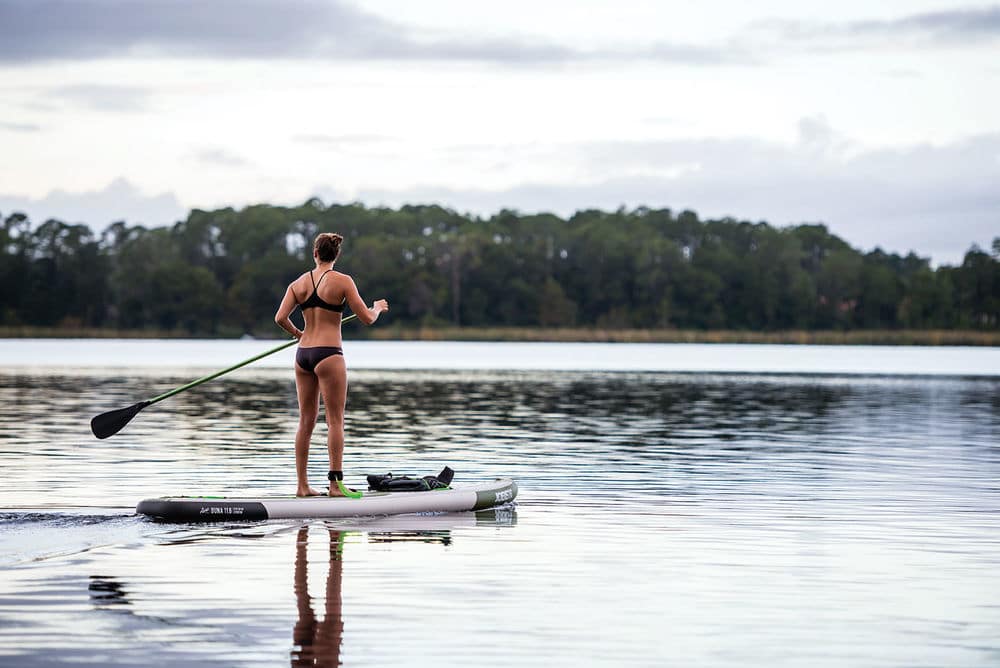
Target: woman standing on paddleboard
(322,295)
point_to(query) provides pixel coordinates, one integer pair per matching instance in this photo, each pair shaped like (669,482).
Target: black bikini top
(314,300)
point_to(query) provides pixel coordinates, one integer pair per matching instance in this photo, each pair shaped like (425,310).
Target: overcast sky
(880,119)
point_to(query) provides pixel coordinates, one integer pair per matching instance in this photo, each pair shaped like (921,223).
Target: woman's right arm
(358,306)
(288,304)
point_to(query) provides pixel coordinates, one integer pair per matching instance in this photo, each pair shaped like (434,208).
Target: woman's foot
(308,491)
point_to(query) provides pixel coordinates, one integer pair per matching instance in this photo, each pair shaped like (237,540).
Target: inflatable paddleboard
(222,509)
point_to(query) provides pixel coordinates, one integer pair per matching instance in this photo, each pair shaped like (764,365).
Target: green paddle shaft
(195,383)
(110,423)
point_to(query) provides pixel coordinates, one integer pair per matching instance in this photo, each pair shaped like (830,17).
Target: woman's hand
(380,305)
(288,304)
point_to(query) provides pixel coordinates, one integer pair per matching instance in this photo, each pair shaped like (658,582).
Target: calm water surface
(712,519)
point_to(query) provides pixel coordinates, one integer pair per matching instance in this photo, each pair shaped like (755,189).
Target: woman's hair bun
(327,246)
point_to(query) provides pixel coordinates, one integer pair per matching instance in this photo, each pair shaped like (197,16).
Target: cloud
(934,200)
(944,26)
(220,157)
(37,30)
(101,97)
(941,28)
(44,30)
(120,200)
(342,141)
(19,127)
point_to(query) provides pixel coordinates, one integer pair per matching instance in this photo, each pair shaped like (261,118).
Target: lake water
(679,505)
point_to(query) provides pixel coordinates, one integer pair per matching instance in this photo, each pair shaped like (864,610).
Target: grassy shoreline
(579,334)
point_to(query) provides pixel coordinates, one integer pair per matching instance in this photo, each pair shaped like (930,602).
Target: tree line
(223,272)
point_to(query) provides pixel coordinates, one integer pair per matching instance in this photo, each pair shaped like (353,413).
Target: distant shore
(878,337)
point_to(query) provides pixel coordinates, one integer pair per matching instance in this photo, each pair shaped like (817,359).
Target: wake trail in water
(30,536)
(14,519)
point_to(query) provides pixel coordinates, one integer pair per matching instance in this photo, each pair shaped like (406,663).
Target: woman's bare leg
(307,386)
(332,373)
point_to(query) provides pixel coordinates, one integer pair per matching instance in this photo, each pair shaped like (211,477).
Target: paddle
(112,422)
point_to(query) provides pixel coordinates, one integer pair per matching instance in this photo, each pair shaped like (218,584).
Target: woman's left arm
(285,309)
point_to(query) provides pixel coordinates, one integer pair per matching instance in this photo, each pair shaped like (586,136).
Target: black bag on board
(400,483)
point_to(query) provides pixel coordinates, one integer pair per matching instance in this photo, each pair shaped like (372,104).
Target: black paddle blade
(110,423)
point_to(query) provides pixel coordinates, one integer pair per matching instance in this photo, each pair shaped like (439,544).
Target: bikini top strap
(316,283)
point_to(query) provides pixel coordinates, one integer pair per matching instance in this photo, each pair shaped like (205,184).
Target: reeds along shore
(874,337)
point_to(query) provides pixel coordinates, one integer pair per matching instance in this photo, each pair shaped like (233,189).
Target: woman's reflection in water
(317,643)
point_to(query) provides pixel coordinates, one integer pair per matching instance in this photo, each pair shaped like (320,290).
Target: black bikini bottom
(308,358)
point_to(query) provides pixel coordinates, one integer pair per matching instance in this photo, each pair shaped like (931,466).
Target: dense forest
(223,272)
